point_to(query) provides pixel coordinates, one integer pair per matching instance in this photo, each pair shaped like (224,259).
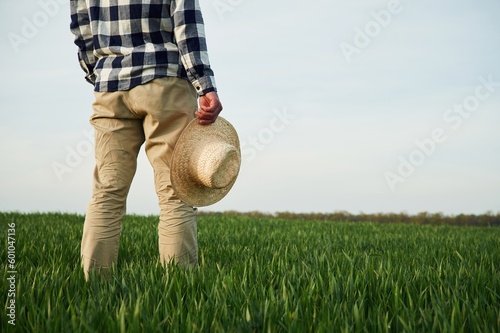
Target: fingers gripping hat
(205,162)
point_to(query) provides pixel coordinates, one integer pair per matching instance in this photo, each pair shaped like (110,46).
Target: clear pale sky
(365,106)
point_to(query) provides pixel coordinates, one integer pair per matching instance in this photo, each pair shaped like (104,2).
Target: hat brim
(185,187)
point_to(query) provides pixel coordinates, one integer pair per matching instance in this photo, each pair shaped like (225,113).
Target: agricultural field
(256,274)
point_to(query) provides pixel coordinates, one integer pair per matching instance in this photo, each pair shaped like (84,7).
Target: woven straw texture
(206,162)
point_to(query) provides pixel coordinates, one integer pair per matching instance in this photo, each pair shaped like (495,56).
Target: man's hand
(210,107)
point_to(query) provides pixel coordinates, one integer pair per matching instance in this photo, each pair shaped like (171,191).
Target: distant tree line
(487,219)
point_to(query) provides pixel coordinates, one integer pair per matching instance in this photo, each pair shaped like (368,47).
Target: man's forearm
(80,27)
(190,36)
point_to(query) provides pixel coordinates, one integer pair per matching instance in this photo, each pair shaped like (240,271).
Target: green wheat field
(257,273)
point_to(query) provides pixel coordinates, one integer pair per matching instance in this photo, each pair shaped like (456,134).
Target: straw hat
(205,162)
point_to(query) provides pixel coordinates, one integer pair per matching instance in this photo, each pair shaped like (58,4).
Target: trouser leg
(169,104)
(118,137)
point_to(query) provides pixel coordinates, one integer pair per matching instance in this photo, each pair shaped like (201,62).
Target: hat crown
(215,164)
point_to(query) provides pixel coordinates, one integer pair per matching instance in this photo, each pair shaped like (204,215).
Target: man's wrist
(208,90)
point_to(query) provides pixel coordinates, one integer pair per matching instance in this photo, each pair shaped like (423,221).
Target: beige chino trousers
(154,113)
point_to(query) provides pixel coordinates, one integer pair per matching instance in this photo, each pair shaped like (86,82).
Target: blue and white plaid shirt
(125,43)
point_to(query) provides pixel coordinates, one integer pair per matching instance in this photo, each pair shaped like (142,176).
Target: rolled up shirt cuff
(90,78)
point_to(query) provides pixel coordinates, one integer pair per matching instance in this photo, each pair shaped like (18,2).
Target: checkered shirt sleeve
(80,28)
(125,43)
